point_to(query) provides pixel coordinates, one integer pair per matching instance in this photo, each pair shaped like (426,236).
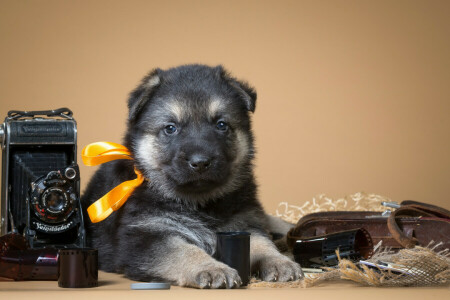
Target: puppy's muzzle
(199,162)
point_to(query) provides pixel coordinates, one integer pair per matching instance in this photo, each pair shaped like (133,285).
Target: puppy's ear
(247,93)
(244,90)
(140,95)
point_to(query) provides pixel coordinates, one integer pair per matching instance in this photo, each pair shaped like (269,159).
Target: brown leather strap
(290,238)
(406,211)
(439,212)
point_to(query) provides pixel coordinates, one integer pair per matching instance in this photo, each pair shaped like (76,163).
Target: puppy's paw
(217,277)
(279,268)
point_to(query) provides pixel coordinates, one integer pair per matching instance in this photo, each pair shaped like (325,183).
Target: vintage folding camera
(40,195)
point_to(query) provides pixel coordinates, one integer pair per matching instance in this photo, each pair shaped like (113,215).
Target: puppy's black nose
(199,162)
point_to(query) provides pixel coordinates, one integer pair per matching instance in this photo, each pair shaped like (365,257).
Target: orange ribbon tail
(101,152)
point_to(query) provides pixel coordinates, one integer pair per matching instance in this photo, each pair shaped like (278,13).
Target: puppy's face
(189,131)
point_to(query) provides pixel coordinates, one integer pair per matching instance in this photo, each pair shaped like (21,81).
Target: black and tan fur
(189,131)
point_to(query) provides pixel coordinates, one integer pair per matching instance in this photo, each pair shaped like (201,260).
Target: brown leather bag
(413,223)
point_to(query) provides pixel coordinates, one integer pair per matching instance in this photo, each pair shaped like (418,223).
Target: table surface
(115,286)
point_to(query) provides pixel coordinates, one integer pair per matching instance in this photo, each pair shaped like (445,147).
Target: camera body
(40,191)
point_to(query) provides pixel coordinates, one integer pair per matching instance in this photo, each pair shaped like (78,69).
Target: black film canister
(233,249)
(78,268)
(320,251)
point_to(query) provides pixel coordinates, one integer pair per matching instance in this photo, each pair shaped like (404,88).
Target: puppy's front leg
(188,265)
(269,263)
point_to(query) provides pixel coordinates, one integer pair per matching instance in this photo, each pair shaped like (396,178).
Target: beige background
(353,95)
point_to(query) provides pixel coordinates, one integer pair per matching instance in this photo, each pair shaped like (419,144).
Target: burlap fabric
(419,266)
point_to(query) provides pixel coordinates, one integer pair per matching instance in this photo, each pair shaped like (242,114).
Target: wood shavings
(356,202)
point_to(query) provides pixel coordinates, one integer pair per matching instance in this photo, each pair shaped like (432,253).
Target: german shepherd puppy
(189,132)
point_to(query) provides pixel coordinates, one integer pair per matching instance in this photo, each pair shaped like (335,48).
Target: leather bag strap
(413,209)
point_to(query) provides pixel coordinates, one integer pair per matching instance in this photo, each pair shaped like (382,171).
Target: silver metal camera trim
(70,169)
(2,134)
(4,195)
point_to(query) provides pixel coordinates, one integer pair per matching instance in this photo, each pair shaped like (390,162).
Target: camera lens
(70,173)
(54,200)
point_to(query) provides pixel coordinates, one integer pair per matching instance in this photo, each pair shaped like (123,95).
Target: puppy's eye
(170,129)
(222,126)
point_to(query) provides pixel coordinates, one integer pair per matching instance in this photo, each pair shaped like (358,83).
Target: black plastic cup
(78,268)
(320,251)
(233,249)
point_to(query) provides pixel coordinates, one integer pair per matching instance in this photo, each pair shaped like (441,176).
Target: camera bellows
(26,168)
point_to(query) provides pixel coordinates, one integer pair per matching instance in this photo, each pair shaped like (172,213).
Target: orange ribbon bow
(99,153)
